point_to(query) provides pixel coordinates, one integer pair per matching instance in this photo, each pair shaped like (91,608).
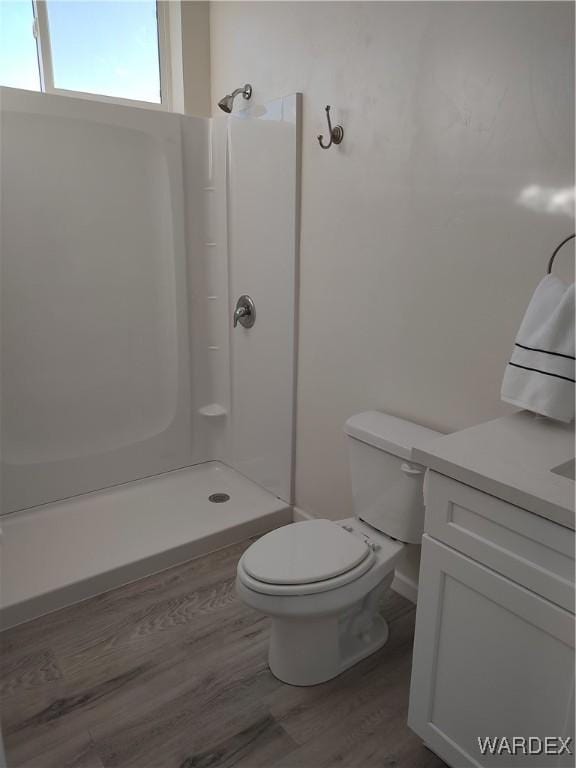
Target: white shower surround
(118,357)
(117,347)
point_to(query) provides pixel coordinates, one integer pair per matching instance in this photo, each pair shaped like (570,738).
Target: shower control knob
(245,312)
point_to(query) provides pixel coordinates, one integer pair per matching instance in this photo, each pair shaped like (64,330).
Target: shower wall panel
(263,221)
(96,318)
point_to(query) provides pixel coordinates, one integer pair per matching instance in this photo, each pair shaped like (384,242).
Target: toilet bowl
(324,616)
(320,581)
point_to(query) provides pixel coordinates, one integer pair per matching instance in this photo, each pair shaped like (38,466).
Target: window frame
(167,11)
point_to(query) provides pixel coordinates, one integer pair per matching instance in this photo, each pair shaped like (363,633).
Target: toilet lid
(302,553)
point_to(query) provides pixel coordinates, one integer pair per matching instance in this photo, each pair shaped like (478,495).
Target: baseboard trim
(298,515)
(405,587)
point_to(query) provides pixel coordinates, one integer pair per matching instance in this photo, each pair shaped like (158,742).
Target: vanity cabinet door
(491,659)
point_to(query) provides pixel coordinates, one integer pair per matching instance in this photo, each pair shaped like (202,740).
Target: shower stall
(139,428)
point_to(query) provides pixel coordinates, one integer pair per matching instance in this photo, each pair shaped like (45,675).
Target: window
(18,54)
(104,48)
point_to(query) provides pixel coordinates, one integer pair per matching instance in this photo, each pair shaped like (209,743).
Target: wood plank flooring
(171,672)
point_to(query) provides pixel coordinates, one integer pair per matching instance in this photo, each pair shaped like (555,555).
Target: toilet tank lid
(389,433)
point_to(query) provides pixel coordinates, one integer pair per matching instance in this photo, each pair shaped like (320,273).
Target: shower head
(227,102)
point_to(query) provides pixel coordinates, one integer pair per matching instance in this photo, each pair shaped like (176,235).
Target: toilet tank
(387,486)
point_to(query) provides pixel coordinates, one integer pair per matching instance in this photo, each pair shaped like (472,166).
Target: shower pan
(130,404)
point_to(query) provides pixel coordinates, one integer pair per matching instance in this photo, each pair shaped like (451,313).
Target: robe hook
(336,133)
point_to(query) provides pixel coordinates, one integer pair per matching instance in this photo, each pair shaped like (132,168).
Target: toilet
(320,581)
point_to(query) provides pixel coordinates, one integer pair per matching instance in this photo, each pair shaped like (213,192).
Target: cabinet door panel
(490,659)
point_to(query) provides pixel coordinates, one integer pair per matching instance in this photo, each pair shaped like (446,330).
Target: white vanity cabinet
(494,643)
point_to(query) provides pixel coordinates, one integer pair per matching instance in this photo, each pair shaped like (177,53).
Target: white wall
(417,255)
(195,30)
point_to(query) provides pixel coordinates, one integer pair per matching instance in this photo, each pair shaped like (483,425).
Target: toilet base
(313,651)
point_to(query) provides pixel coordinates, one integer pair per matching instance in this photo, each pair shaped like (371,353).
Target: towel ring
(551,262)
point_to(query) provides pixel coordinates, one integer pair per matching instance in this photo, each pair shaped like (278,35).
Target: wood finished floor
(170,672)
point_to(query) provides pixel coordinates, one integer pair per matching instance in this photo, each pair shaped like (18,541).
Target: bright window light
(18,54)
(108,48)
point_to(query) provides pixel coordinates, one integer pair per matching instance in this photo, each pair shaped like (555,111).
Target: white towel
(540,374)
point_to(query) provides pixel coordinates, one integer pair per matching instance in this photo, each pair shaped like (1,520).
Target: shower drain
(219,498)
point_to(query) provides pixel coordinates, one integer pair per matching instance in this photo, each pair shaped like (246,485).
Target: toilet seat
(305,558)
(314,588)
(301,553)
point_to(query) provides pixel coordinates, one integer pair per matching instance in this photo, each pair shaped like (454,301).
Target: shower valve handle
(245,312)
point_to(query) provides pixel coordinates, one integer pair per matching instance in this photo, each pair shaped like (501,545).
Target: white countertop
(511,458)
